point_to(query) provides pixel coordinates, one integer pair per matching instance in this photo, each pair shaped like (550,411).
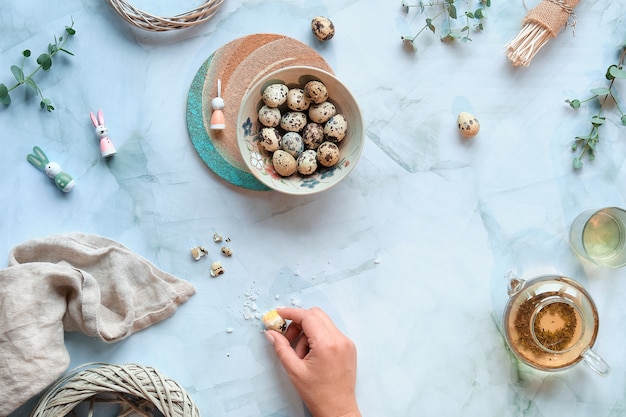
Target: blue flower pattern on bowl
(262,161)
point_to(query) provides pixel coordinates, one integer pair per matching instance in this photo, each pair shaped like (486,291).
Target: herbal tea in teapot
(551,323)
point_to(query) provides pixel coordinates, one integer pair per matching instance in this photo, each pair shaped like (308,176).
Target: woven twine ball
(147,21)
(138,390)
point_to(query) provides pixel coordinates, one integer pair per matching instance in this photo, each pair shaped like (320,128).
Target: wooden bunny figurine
(63,180)
(106,146)
(217,117)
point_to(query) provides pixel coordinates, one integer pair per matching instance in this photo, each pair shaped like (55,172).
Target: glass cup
(599,236)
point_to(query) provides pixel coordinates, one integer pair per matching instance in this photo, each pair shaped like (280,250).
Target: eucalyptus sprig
(604,96)
(448,12)
(45,63)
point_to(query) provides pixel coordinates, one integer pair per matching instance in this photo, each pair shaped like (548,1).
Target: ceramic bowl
(259,161)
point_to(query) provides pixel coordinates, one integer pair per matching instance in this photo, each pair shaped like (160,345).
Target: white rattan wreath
(153,23)
(139,390)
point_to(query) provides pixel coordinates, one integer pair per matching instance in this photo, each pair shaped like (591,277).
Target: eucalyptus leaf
(575,104)
(600,91)
(45,60)
(598,120)
(32,85)
(452,11)
(4,95)
(617,72)
(46,103)
(17,73)
(577,163)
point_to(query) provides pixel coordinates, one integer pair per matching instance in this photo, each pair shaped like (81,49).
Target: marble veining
(408,254)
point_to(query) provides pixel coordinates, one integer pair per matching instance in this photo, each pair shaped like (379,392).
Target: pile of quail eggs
(301,128)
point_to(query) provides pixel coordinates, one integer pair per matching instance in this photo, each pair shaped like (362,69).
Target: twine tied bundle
(139,390)
(542,23)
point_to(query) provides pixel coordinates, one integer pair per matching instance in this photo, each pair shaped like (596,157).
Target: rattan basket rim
(139,390)
(150,22)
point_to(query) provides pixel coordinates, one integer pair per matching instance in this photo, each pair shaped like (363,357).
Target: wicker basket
(139,390)
(147,21)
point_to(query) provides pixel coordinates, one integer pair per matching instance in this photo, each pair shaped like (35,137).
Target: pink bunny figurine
(106,146)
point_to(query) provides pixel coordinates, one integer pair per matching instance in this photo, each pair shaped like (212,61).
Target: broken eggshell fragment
(273,321)
(216,269)
(198,252)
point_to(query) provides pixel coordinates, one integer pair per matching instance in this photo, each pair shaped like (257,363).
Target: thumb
(285,353)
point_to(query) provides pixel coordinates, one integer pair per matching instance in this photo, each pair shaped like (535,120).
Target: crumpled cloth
(72,282)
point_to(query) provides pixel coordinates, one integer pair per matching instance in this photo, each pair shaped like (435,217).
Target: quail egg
(468,125)
(284,163)
(322,28)
(328,154)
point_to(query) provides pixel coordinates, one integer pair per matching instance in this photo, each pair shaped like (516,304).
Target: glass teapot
(550,323)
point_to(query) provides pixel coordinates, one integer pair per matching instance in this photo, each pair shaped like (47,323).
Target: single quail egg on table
(322,28)
(468,124)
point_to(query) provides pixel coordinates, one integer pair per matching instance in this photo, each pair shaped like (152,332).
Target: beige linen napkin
(73,282)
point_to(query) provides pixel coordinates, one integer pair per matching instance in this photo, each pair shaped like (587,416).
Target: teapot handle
(595,362)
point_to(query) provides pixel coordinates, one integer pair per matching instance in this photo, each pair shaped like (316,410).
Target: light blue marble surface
(408,255)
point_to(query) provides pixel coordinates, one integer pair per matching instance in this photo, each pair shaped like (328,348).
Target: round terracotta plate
(238,64)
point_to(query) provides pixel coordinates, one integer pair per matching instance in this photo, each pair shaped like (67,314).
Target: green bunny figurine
(63,180)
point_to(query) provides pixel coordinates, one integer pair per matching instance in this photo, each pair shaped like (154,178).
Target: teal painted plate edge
(203,143)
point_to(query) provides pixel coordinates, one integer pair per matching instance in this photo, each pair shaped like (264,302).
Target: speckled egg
(269,138)
(468,125)
(316,91)
(321,112)
(274,95)
(297,100)
(322,28)
(312,135)
(335,128)
(284,163)
(292,143)
(307,162)
(269,116)
(328,154)
(293,121)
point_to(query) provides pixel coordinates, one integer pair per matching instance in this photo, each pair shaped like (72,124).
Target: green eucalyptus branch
(45,63)
(448,9)
(604,95)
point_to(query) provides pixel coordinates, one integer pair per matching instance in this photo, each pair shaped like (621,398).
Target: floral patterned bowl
(259,161)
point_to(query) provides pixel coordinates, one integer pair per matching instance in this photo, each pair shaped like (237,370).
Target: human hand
(321,364)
